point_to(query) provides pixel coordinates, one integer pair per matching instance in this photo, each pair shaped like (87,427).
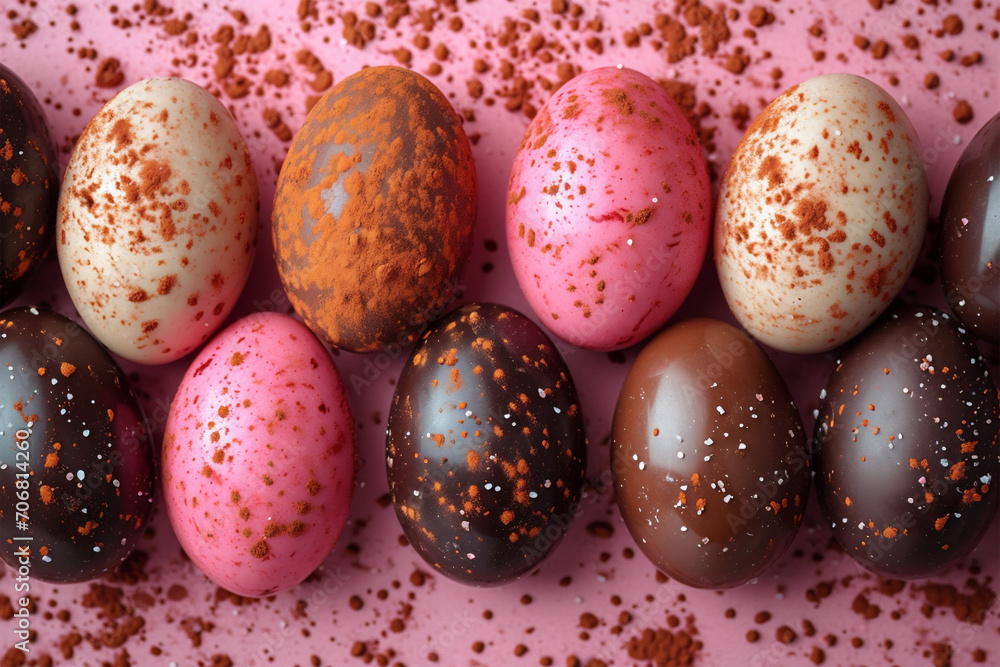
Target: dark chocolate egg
(375,210)
(76,464)
(485,450)
(29,185)
(970,235)
(708,455)
(907,445)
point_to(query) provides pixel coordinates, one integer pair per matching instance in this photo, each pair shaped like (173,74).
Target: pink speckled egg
(157,221)
(259,456)
(608,209)
(821,215)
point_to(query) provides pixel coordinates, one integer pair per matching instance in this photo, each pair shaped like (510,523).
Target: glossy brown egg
(907,437)
(29,185)
(710,465)
(970,235)
(485,450)
(76,464)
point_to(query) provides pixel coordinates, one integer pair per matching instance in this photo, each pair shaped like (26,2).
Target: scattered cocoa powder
(109,74)
(962,112)
(665,648)
(24,29)
(952,24)
(880,49)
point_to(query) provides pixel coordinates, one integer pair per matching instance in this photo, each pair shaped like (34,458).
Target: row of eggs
(821,216)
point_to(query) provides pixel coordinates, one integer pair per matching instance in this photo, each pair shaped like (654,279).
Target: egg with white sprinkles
(709,459)
(907,445)
(76,463)
(485,451)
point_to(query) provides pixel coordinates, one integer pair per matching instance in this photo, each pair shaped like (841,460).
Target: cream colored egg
(821,215)
(157,223)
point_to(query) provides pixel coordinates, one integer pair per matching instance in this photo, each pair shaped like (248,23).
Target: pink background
(315,619)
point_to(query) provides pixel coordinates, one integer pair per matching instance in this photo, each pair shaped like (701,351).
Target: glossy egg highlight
(157,224)
(29,185)
(821,214)
(970,235)
(908,457)
(259,456)
(375,210)
(76,463)
(709,459)
(485,451)
(608,209)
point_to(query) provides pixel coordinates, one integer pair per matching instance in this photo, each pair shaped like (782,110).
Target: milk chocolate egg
(375,210)
(76,464)
(157,225)
(970,235)
(907,445)
(485,451)
(821,215)
(29,185)
(708,455)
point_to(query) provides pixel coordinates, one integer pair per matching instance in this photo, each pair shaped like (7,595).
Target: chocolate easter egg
(29,185)
(907,445)
(710,464)
(76,463)
(970,235)
(485,450)
(375,210)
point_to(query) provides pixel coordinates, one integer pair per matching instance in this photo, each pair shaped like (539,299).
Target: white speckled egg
(157,222)
(259,456)
(608,209)
(821,214)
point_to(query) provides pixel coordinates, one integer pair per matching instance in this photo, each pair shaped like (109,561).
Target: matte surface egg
(375,210)
(709,459)
(29,185)
(821,215)
(608,209)
(908,453)
(259,456)
(157,224)
(485,450)
(970,235)
(76,464)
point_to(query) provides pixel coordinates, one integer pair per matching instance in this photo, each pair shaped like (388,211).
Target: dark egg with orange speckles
(709,458)
(29,174)
(485,450)
(259,456)
(76,464)
(907,445)
(821,214)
